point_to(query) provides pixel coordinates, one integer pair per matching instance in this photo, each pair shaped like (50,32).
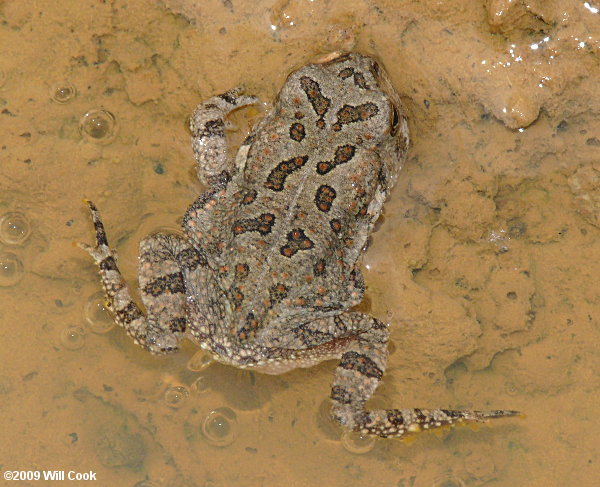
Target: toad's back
(309,184)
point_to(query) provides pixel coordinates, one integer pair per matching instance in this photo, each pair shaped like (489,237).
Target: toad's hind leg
(162,259)
(357,376)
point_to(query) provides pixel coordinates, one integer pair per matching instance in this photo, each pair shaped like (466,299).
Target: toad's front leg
(208,124)
(162,260)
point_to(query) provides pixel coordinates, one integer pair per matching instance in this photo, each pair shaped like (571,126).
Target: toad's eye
(394,120)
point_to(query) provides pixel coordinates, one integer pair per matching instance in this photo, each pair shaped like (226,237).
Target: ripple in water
(14,228)
(220,427)
(358,443)
(200,361)
(146,483)
(96,314)
(200,385)
(176,396)
(448,482)
(11,269)
(73,338)
(325,423)
(99,126)
(63,92)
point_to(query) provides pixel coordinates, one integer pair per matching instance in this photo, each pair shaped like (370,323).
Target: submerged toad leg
(357,376)
(163,259)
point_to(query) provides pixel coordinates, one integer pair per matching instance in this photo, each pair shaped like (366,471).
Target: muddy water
(486,264)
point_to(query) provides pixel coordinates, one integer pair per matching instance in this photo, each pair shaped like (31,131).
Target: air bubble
(99,126)
(63,92)
(14,228)
(220,427)
(73,337)
(97,315)
(200,361)
(358,443)
(175,396)
(11,269)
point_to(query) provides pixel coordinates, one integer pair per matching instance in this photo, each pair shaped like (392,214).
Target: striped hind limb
(357,376)
(160,327)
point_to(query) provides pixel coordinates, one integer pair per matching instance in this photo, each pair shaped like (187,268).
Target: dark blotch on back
(297,132)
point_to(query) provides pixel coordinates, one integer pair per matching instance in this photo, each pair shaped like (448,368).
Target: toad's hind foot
(126,313)
(401,422)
